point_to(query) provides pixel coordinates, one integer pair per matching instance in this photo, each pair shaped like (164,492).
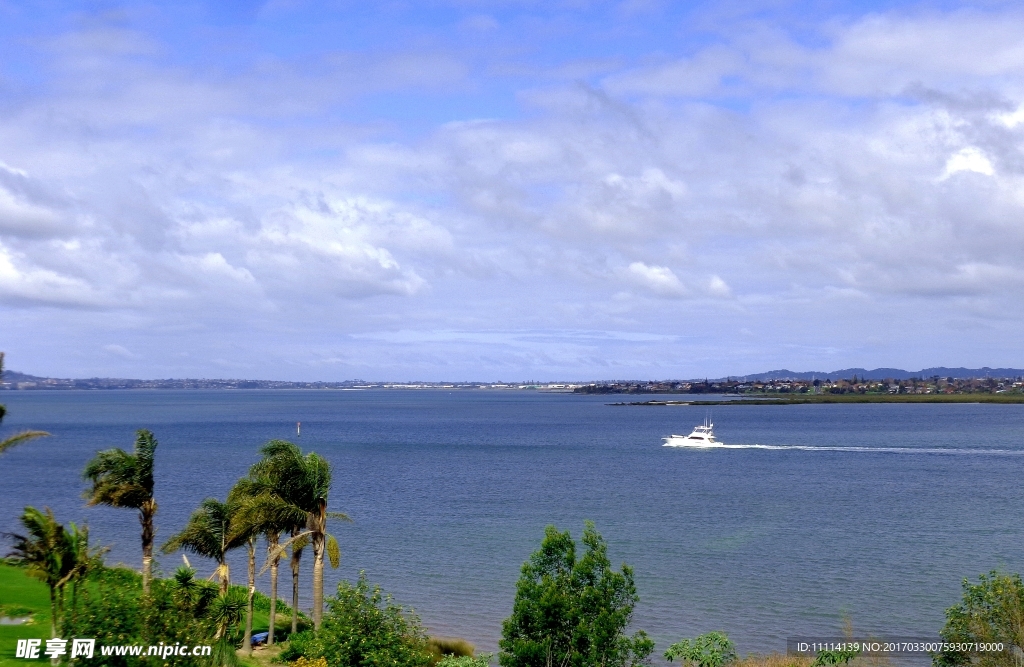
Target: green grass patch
(19,594)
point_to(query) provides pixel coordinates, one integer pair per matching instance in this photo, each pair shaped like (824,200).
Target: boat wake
(869,450)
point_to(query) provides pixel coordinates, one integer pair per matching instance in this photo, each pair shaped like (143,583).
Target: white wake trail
(890,450)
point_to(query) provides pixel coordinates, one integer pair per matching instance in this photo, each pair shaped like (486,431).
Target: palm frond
(19,438)
(120,479)
(264,513)
(145,454)
(206,531)
(274,554)
(333,551)
(43,547)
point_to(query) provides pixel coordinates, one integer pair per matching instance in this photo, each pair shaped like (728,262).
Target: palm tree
(78,562)
(120,479)
(208,534)
(272,516)
(43,549)
(17,438)
(256,513)
(304,483)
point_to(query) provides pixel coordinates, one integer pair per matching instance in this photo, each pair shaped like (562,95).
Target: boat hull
(684,441)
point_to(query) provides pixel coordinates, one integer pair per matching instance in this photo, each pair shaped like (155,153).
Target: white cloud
(717,287)
(659,280)
(969,159)
(23,283)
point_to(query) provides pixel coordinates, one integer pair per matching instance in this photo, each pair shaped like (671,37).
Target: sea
(868,515)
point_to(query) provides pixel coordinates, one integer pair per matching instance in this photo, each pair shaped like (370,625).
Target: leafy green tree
(208,534)
(120,479)
(17,438)
(573,612)
(712,649)
(363,627)
(991,611)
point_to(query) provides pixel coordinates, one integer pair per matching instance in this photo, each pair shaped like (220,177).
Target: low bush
(111,609)
(482,660)
(440,647)
(712,649)
(364,627)
(306,662)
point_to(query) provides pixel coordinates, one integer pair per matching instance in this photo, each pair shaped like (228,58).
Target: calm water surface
(451,492)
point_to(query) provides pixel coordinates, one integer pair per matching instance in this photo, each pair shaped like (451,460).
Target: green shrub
(482,660)
(305,662)
(991,611)
(111,609)
(826,658)
(712,649)
(363,627)
(440,647)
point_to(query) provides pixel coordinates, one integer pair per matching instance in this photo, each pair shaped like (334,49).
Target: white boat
(702,436)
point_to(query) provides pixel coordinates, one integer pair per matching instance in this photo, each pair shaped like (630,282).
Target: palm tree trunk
(146,513)
(225,576)
(272,540)
(296,557)
(53,619)
(247,641)
(318,580)
(53,611)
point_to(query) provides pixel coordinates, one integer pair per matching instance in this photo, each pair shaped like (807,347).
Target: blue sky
(509,190)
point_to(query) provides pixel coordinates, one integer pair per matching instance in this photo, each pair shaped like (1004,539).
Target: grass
(774,660)
(262,656)
(20,593)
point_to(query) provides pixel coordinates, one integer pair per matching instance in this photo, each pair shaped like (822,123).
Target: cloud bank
(482,197)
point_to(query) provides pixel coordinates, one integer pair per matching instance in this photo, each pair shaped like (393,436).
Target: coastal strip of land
(784,399)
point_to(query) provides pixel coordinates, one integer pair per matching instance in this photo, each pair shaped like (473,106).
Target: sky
(509,190)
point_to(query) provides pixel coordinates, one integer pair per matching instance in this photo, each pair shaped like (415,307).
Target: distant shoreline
(783,399)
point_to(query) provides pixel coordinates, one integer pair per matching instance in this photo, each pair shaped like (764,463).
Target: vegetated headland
(934,389)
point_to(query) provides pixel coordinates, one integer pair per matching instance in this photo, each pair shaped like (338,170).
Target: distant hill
(887,374)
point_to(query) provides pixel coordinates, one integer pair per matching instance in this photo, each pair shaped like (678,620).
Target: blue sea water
(879,517)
